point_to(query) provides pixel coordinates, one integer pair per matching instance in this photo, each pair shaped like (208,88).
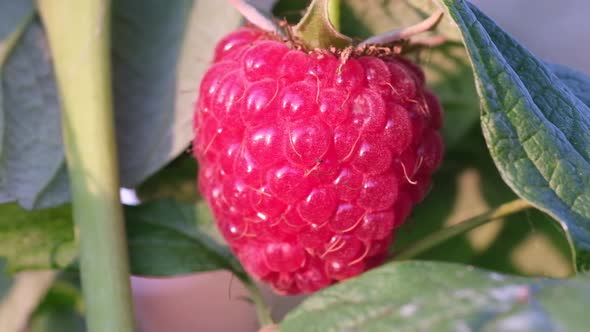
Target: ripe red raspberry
(309,162)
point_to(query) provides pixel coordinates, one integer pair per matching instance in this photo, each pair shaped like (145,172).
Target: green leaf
(577,82)
(40,239)
(62,308)
(57,319)
(165,238)
(32,169)
(290,10)
(12,13)
(427,296)
(177,180)
(160,51)
(168,238)
(537,130)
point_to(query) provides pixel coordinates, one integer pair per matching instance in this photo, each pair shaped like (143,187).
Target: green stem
(316,28)
(445,234)
(262,309)
(79,39)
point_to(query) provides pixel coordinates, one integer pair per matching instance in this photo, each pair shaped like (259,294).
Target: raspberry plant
(319,156)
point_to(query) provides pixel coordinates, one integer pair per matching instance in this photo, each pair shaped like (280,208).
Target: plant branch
(447,233)
(24,297)
(79,39)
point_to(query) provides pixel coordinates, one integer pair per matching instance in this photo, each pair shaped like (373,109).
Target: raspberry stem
(316,29)
(262,308)
(79,40)
(447,233)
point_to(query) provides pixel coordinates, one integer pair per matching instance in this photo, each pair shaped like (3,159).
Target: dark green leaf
(537,130)
(168,238)
(160,51)
(291,10)
(165,238)
(57,319)
(577,82)
(61,309)
(177,180)
(427,296)
(12,13)
(32,161)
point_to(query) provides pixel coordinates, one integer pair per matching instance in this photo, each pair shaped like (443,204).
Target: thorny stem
(79,40)
(262,309)
(445,234)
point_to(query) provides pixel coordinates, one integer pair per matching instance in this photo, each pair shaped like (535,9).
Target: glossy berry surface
(309,162)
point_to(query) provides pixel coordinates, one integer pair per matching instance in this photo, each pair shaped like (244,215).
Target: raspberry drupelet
(309,161)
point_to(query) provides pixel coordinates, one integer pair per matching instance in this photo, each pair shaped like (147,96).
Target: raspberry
(309,162)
